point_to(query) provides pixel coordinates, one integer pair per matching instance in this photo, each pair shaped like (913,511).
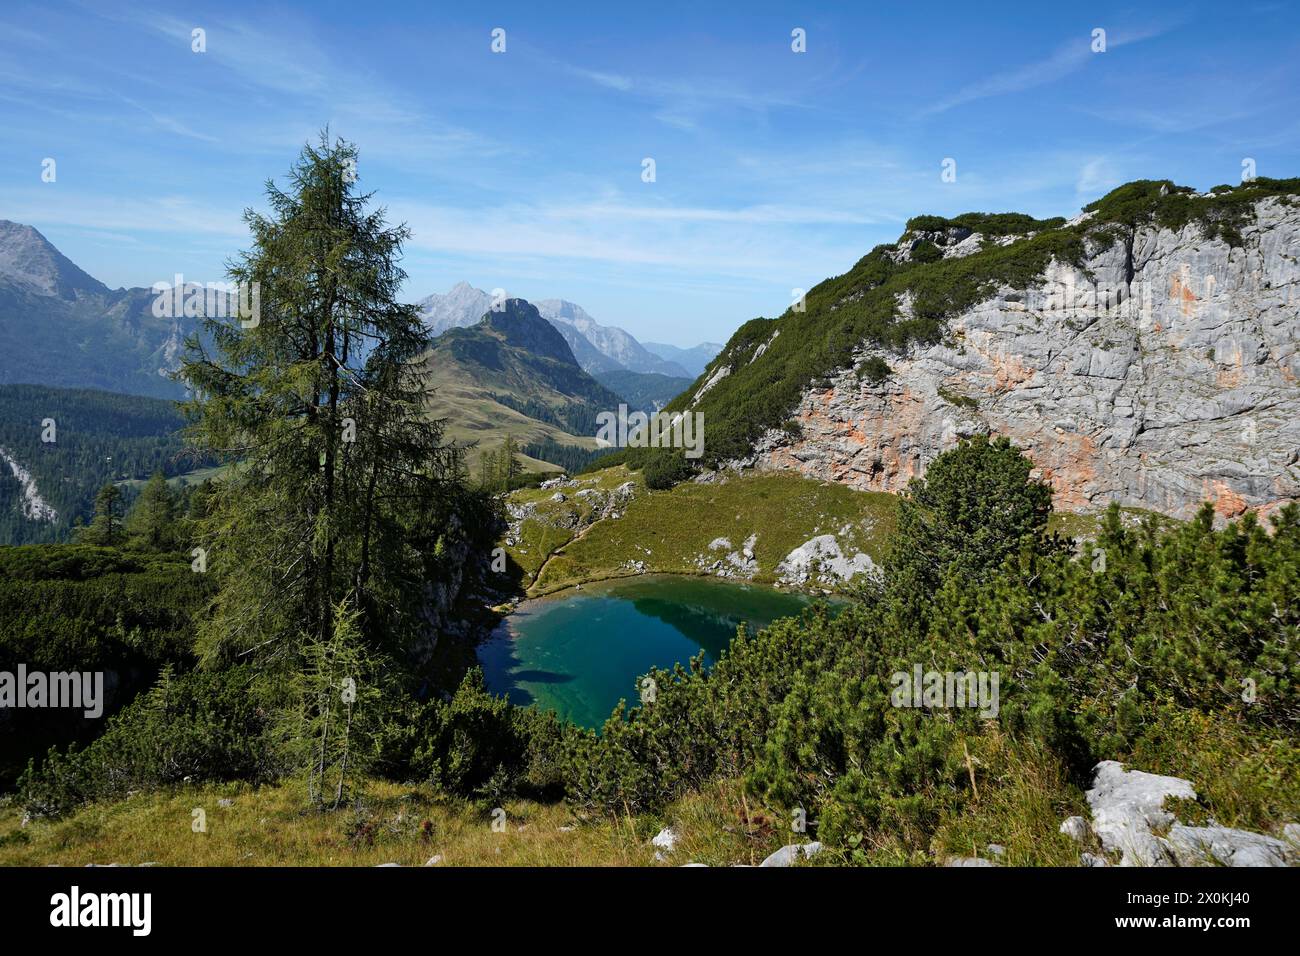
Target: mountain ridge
(695,359)
(513,373)
(61,327)
(598,348)
(950,332)
(28,258)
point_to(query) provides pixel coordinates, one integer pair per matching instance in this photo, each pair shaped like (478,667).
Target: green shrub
(875,370)
(199,726)
(80,608)
(666,469)
(477,745)
(926,251)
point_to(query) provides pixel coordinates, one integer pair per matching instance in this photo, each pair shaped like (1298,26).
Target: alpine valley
(1056,460)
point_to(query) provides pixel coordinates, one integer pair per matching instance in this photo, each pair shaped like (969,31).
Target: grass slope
(391,823)
(474,417)
(1024,798)
(669,531)
(513,374)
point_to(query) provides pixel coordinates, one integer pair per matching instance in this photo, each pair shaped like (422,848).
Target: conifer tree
(329,731)
(105,528)
(509,462)
(152,520)
(339,483)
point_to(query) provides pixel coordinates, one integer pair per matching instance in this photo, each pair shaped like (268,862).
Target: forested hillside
(69,443)
(644,391)
(127,613)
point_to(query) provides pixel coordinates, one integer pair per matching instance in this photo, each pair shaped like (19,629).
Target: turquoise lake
(580,651)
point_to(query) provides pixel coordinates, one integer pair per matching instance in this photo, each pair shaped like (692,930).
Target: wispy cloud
(279,56)
(62,206)
(611,81)
(1069,57)
(698,241)
(1097,176)
(684,102)
(752,215)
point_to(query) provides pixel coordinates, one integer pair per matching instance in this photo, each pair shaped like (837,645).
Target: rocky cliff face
(1161,374)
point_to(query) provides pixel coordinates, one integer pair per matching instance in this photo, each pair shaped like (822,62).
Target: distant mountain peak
(611,341)
(30,260)
(520,325)
(597,348)
(694,359)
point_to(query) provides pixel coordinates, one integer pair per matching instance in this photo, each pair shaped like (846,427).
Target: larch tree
(338,487)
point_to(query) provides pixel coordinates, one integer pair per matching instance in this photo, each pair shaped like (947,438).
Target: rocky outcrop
(1127,806)
(821,559)
(587,506)
(819,562)
(1161,374)
(1133,824)
(34,507)
(792,854)
(738,563)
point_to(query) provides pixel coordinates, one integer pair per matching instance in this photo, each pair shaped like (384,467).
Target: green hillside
(98,437)
(514,374)
(645,391)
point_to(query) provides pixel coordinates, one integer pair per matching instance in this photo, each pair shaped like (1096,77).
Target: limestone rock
(789,855)
(666,839)
(1222,846)
(1076,828)
(1156,380)
(1127,805)
(821,558)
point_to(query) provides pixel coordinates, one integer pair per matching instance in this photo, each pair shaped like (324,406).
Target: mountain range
(694,359)
(597,348)
(531,371)
(1145,352)
(61,327)
(513,373)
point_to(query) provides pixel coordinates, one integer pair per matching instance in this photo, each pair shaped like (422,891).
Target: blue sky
(523,170)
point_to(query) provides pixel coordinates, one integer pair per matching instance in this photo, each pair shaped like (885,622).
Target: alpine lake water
(582,650)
